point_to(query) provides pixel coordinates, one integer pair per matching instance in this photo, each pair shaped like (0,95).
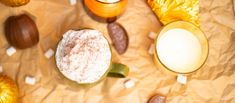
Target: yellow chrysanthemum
(174,10)
(8,90)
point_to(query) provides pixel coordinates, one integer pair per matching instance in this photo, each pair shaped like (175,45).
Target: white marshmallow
(129,83)
(73,2)
(181,79)
(49,53)
(1,69)
(30,80)
(152,35)
(151,49)
(10,51)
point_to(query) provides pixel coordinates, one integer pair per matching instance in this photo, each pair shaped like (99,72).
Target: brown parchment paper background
(213,83)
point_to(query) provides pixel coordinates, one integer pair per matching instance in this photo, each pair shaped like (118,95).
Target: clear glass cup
(196,32)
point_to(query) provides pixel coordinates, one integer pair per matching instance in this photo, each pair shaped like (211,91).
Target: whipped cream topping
(83,56)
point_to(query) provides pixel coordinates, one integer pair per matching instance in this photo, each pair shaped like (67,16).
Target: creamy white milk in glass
(179,50)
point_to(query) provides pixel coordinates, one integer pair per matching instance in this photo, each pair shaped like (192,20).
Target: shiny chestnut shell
(21,31)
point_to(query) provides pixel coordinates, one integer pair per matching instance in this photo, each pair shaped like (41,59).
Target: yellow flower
(174,10)
(8,90)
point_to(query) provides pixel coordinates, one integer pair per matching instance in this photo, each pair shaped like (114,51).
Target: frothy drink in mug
(83,56)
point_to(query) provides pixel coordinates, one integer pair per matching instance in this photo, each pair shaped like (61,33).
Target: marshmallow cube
(129,83)
(30,80)
(49,53)
(181,79)
(10,51)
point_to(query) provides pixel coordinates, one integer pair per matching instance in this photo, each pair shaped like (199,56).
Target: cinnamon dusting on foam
(83,56)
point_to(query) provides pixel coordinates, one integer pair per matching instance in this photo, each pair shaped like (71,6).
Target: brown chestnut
(158,99)
(119,37)
(21,31)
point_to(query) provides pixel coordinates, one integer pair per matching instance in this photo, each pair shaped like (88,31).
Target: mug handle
(118,70)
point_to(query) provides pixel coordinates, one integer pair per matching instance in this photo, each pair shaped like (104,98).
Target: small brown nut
(21,31)
(118,36)
(158,99)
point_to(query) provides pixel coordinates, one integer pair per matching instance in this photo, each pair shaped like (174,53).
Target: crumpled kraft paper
(213,83)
